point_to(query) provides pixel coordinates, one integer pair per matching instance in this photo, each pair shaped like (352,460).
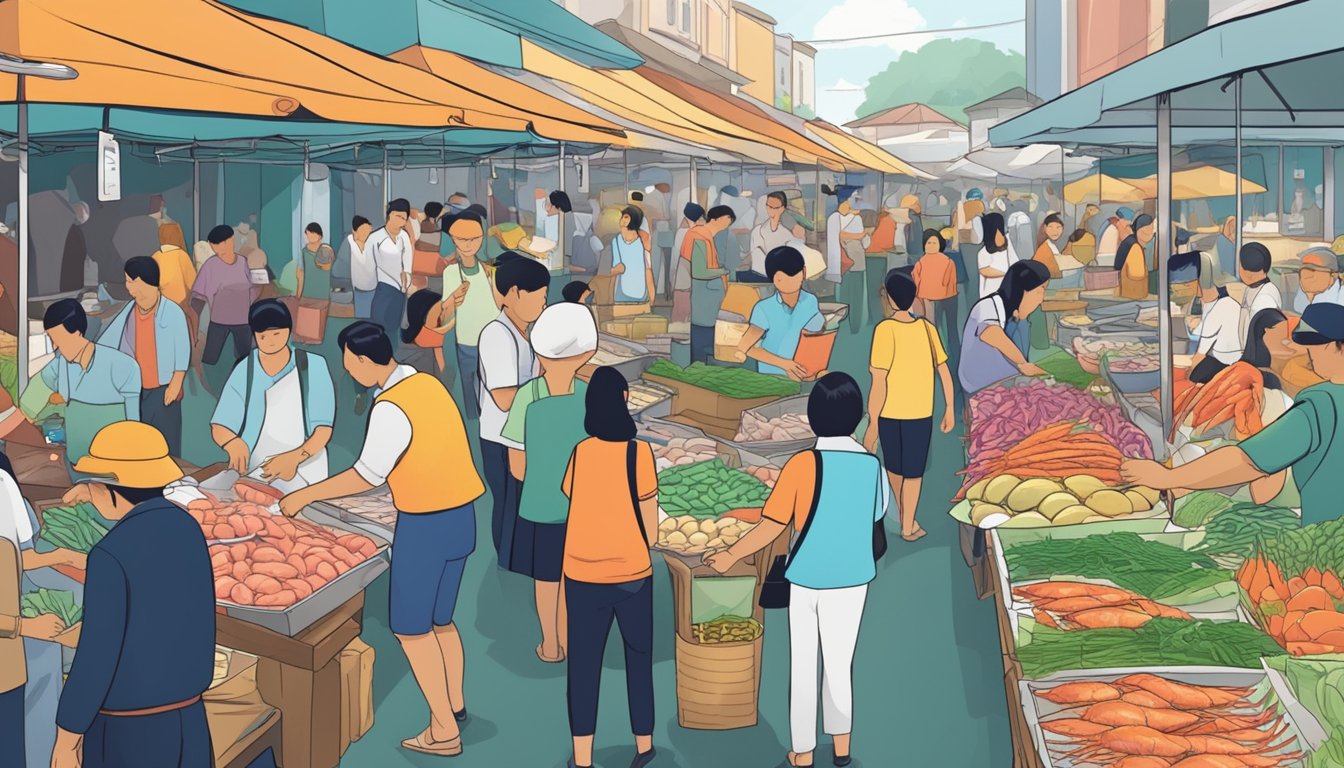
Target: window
(672,13)
(686,17)
(783,78)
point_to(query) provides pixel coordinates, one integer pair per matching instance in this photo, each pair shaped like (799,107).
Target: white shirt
(835,224)
(363,275)
(764,239)
(850,445)
(390,258)
(999,262)
(989,309)
(380,455)
(1332,295)
(506,360)
(1263,296)
(1219,331)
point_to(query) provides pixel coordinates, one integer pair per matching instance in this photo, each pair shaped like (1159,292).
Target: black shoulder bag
(775,589)
(300,363)
(630,457)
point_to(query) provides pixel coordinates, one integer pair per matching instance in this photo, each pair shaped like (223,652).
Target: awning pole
(625,171)
(817,212)
(692,196)
(195,197)
(1279,186)
(560,170)
(387,191)
(1329,201)
(22,301)
(1163,256)
(1240,220)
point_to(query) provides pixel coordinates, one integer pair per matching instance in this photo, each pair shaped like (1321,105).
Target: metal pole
(22,300)
(1328,233)
(387,191)
(561,168)
(195,197)
(1163,255)
(1240,203)
(1279,187)
(625,170)
(817,211)
(561,236)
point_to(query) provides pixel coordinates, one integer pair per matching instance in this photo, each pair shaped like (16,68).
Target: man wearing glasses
(477,309)
(769,235)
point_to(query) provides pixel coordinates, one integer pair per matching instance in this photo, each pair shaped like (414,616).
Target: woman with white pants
(831,496)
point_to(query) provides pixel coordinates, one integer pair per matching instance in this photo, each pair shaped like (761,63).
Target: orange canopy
(870,155)
(200,55)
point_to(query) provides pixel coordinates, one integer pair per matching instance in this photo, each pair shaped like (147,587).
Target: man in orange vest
(415,431)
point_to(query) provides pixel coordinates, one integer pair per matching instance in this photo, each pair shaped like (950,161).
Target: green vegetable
(55,601)
(1320,546)
(708,489)
(737,383)
(1064,368)
(1160,642)
(1236,530)
(1197,509)
(1152,569)
(76,528)
(1319,685)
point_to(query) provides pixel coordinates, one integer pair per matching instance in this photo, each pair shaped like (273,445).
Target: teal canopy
(1288,58)
(485,31)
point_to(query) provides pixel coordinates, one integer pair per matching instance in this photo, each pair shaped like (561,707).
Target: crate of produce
(679,445)
(706,507)
(649,400)
(719,392)
(1165,716)
(1292,587)
(259,580)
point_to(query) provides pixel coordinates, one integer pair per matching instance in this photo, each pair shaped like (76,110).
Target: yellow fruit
(1138,500)
(1083,486)
(667,526)
(689,528)
(1148,493)
(697,539)
(977,491)
(981,510)
(1028,494)
(1073,515)
(1110,503)
(998,489)
(1055,503)
(709,527)
(1097,519)
(676,538)
(715,544)
(1027,520)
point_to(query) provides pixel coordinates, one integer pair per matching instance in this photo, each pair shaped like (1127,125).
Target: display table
(1024,750)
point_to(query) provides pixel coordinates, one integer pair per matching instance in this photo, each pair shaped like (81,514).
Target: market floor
(928,675)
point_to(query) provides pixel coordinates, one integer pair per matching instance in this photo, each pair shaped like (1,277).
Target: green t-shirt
(1304,438)
(558,421)
(478,309)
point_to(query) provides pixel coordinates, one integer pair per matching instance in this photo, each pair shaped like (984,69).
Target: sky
(844,69)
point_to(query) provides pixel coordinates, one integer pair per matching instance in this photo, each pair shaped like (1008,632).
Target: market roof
(1285,55)
(1013,97)
(703,71)
(905,114)
(490,32)
(876,158)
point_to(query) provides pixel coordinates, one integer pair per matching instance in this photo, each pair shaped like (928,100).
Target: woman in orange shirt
(612,485)
(426,327)
(1052,228)
(935,276)
(1131,261)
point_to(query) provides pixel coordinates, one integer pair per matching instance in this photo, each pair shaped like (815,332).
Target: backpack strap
(301,363)
(247,390)
(631,455)
(811,513)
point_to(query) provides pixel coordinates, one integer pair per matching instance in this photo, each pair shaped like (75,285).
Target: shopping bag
(427,263)
(814,351)
(814,264)
(310,321)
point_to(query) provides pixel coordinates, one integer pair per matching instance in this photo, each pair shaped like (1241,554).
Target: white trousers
(826,620)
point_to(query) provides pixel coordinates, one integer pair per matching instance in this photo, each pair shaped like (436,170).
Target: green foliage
(805,112)
(708,490)
(948,75)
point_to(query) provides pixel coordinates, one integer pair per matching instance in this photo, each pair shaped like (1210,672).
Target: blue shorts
(905,445)
(429,555)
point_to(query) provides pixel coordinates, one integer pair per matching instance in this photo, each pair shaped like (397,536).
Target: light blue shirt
(854,493)
(172,344)
(784,326)
(1332,295)
(112,377)
(320,406)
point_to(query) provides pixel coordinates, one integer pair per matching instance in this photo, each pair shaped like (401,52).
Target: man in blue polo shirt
(778,322)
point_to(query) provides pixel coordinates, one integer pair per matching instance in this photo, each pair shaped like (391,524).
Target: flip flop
(549,660)
(421,744)
(916,536)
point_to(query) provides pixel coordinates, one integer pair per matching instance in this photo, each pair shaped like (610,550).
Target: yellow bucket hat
(132,454)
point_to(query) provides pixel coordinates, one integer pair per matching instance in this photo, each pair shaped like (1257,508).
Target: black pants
(945,321)
(591,608)
(12,745)
(215,335)
(165,418)
(504,491)
(1206,370)
(702,343)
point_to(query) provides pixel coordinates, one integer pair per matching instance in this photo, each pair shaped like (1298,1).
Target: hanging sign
(109,167)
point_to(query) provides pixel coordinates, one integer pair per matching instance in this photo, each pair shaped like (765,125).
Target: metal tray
(1299,722)
(308,611)
(770,448)
(634,366)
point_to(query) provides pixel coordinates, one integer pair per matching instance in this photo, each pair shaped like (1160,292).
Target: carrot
(1308,649)
(1318,622)
(1312,576)
(1274,626)
(1296,584)
(1331,584)
(1276,580)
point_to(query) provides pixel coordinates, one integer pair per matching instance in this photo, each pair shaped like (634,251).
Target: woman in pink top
(935,276)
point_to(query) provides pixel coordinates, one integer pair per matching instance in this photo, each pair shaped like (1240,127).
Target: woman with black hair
(1217,338)
(554,213)
(275,413)
(428,321)
(828,499)
(997,253)
(1268,341)
(608,573)
(1131,259)
(630,259)
(995,341)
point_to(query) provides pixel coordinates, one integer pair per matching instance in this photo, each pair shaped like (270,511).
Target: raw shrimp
(1115,616)
(1074,604)
(1210,761)
(1134,740)
(1137,761)
(1182,696)
(1072,726)
(1146,699)
(1153,608)
(1057,589)
(1223,724)
(1082,692)
(1121,713)
(1218,745)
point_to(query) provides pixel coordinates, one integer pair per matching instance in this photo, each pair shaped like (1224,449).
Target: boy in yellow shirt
(906,355)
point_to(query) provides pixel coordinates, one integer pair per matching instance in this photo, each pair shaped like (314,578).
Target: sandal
(916,536)
(421,743)
(549,659)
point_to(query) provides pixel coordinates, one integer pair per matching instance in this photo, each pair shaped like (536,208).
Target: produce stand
(715,412)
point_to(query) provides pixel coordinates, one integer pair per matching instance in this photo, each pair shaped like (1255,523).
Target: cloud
(844,86)
(859,18)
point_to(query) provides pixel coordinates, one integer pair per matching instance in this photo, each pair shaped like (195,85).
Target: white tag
(109,167)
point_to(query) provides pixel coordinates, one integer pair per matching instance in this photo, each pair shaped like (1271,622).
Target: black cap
(1321,324)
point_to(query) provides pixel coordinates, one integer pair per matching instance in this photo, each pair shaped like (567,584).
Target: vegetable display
(1040,501)
(1152,569)
(737,383)
(1236,394)
(57,601)
(1319,685)
(1074,605)
(1064,369)
(285,562)
(1197,509)
(708,489)
(1236,530)
(75,528)
(1149,721)
(727,629)
(1058,450)
(693,536)
(1300,611)
(1159,642)
(790,426)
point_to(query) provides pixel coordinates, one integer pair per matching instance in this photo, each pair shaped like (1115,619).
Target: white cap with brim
(564,330)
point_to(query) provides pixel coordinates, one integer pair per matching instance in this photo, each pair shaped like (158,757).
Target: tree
(948,75)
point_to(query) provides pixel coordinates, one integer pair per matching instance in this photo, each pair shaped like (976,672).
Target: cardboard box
(706,402)
(356,692)
(636,328)
(343,311)
(727,335)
